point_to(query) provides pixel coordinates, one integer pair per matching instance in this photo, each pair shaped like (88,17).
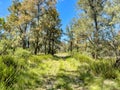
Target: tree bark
(36,46)
(49,44)
(52,52)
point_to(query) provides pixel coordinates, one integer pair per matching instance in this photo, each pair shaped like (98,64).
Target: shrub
(104,68)
(82,58)
(9,61)
(10,72)
(22,53)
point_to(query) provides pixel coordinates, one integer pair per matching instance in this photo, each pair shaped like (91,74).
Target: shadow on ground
(56,57)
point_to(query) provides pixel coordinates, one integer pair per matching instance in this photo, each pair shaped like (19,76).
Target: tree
(34,24)
(92,11)
(70,34)
(113,20)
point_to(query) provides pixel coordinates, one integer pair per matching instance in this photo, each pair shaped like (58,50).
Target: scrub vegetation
(34,57)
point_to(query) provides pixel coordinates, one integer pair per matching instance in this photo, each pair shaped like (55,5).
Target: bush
(22,53)
(9,61)
(8,71)
(82,58)
(104,68)
(11,71)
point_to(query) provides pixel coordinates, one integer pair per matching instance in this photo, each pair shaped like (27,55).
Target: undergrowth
(23,71)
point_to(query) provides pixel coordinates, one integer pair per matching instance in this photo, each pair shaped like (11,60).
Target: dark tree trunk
(49,44)
(45,42)
(24,43)
(71,46)
(45,48)
(24,40)
(96,33)
(77,47)
(37,33)
(36,46)
(36,50)
(28,43)
(52,52)
(49,48)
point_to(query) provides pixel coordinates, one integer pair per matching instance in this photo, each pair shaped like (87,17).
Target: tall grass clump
(11,70)
(8,71)
(83,58)
(104,68)
(22,53)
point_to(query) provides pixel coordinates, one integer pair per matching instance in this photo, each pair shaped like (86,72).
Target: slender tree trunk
(45,41)
(77,47)
(96,33)
(45,48)
(49,44)
(37,32)
(24,40)
(36,46)
(52,44)
(71,46)
(36,50)
(24,43)
(28,42)
(117,63)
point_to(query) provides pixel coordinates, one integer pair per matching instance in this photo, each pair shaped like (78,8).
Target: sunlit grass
(47,72)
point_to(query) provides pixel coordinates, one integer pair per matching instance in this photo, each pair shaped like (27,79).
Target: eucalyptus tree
(113,23)
(91,13)
(70,34)
(45,27)
(16,25)
(52,30)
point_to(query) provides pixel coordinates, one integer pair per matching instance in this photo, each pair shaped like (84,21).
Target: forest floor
(65,72)
(23,71)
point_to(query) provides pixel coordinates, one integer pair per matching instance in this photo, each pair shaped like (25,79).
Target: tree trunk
(96,33)
(24,43)
(117,63)
(71,46)
(52,52)
(49,44)
(36,46)
(45,48)
(28,43)
(45,45)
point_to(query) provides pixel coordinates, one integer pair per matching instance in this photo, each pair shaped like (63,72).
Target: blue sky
(66,8)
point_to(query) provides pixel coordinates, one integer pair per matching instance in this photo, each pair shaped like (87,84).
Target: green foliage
(9,61)
(35,25)
(4,46)
(52,73)
(9,72)
(22,53)
(104,68)
(83,58)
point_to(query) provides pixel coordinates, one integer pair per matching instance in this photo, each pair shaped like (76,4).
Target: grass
(46,72)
